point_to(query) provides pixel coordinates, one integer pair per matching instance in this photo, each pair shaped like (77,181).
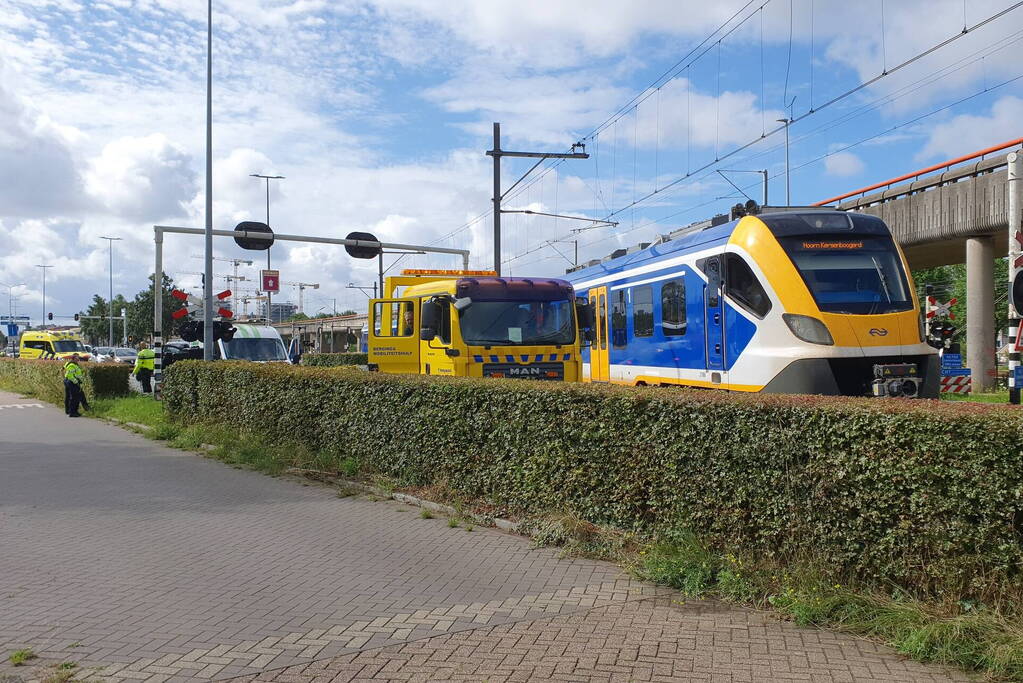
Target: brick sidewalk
(160,565)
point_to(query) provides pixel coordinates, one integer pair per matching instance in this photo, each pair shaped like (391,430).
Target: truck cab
(475,324)
(58,345)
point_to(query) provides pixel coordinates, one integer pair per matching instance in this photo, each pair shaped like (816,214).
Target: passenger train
(813,301)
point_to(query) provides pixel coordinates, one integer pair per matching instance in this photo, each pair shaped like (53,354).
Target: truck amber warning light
(832,245)
(455,273)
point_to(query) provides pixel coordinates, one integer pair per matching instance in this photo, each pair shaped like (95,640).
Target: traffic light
(223,330)
(49,316)
(940,334)
(76,317)
(192,330)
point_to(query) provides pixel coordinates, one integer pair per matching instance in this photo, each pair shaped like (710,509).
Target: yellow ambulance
(45,344)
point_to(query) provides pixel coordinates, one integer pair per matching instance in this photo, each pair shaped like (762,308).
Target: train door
(715,313)
(599,371)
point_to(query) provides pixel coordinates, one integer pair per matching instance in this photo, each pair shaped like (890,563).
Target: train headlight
(808,329)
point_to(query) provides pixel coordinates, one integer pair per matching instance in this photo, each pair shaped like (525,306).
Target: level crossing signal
(194,303)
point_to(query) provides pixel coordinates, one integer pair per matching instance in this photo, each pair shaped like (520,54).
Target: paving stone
(168,566)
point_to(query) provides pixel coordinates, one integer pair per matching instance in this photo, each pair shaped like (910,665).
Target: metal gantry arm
(159,230)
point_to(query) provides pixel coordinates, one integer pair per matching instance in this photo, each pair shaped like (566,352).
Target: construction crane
(302,286)
(234,277)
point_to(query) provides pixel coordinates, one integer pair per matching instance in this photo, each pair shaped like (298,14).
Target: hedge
(45,378)
(332,359)
(924,494)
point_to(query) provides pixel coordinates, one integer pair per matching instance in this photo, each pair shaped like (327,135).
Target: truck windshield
(857,274)
(68,346)
(255,349)
(518,323)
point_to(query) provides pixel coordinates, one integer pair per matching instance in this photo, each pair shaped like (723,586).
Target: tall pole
(110,301)
(765,186)
(269,296)
(497,198)
(1015,188)
(497,153)
(207,328)
(43,323)
(788,186)
(380,271)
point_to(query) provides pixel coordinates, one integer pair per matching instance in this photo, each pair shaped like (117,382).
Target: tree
(140,312)
(948,282)
(296,317)
(95,328)
(347,312)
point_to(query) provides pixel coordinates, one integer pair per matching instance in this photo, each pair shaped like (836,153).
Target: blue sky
(379,113)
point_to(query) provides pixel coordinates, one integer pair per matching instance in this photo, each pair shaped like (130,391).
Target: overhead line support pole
(1015,189)
(497,153)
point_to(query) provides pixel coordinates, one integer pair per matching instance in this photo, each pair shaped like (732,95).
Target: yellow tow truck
(467,323)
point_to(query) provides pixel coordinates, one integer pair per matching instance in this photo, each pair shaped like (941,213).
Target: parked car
(124,355)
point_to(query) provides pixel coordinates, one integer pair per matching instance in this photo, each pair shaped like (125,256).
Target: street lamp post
(110,301)
(43,323)
(268,178)
(10,299)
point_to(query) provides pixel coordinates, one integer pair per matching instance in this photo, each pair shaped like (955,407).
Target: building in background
(279,311)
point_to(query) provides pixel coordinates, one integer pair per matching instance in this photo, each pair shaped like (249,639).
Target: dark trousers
(73,397)
(145,379)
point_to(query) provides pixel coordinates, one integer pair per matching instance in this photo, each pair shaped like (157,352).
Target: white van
(259,343)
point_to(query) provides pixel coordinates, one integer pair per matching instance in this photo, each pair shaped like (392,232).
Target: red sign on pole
(271,280)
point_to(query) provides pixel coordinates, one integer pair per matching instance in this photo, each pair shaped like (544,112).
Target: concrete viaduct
(959,213)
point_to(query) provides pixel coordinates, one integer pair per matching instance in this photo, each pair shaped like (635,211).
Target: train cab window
(673,308)
(619,320)
(743,287)
(643,311)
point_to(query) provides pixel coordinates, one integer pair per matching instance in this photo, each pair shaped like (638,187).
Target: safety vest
(146,360)
(73,372)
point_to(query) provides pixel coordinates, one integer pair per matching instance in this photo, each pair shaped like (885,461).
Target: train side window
(619,320)
(673,308)
(742,286)
(643,311)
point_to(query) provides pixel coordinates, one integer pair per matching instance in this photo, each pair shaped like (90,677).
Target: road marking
(19,406)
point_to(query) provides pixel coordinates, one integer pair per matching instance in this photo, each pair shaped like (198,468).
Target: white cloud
(144,179)
(969,132)
(40,174)
(843,164)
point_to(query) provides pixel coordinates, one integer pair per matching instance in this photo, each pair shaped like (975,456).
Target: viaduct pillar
(980,311)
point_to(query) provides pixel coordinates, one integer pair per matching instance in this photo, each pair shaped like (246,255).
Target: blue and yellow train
(789,301)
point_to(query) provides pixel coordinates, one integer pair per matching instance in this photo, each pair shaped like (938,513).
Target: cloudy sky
(378,112)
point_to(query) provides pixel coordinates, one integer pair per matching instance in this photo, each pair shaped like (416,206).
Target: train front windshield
(518,323)
(851,274)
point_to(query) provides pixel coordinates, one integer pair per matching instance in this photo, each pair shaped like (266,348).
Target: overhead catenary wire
(686,62)
(837,98)
(805,164)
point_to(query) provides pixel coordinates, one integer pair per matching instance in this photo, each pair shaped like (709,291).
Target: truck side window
(445,324)
(393,319)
